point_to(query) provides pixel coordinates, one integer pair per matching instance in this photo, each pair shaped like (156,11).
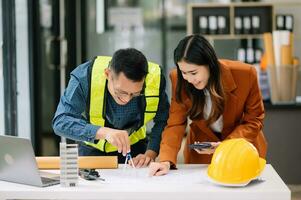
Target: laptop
(18,163)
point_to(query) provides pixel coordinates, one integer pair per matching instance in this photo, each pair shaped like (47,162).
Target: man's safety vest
(97,100)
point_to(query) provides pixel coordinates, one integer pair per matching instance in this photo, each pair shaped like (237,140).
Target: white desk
(188,182)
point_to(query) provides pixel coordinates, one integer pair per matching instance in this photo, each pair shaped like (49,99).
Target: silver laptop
(18,163)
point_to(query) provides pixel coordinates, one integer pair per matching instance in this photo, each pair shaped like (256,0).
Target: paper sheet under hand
(140,175)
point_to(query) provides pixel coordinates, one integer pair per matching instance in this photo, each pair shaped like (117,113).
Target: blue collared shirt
(71,121)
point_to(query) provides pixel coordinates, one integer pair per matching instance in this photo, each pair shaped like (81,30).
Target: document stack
(68,164)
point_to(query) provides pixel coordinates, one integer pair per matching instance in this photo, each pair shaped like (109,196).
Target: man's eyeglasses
(123,94)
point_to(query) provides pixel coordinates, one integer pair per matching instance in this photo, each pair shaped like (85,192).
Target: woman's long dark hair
(195,49)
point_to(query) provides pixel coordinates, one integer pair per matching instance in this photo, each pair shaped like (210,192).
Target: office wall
(23,87)
(1,78)
(147,38)
(282,130)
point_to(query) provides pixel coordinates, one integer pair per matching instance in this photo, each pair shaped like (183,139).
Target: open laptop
(18,163)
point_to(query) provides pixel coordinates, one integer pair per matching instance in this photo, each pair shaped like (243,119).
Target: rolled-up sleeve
(70,119)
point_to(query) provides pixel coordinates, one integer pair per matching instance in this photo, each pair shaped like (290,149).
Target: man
(108,103)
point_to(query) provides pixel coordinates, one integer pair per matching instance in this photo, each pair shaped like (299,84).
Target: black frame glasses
(123,94)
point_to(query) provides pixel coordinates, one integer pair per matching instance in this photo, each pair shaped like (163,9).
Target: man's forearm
(74,129)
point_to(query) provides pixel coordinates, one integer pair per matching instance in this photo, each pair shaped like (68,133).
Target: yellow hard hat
(235,162)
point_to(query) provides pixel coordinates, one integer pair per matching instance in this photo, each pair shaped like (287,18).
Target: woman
(220,97)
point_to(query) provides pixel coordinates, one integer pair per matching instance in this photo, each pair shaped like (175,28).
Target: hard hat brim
(227,184)
(262,163)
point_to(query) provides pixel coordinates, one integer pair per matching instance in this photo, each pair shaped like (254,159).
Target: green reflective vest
(97,90)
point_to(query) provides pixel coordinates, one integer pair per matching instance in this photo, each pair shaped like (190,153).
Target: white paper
(140,175)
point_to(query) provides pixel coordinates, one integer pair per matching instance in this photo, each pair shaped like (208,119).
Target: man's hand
(159,168)
(118,138)
(143,160)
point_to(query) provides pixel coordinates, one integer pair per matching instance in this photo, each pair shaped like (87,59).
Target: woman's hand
(210,150)
(159,168)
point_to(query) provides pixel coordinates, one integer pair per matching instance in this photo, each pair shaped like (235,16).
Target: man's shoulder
(82,69)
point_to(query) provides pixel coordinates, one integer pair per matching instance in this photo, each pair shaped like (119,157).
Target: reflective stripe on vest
(97,89)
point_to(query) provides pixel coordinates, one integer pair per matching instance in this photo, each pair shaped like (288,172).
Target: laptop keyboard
(46,180)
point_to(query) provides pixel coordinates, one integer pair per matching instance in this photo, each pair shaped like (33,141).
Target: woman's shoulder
(236,74)
(173,74)
(237,68)
(235,65)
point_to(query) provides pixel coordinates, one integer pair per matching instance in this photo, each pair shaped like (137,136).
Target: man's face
(121,88)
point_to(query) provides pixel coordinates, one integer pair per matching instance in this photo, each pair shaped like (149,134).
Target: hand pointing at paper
(159,168)
(143,160)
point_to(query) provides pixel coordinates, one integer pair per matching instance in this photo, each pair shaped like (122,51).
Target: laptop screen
(17,161)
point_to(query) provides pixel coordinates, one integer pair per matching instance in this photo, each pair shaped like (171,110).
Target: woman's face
(197,75)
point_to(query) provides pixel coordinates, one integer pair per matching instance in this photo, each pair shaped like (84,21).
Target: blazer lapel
(231,99)
(201,124)
(228,118)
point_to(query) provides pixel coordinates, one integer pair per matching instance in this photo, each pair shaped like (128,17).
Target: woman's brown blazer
(242,118)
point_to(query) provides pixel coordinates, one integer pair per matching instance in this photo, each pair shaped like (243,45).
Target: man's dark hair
(131,62)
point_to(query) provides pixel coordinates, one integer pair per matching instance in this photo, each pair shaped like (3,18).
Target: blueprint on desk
(131,175)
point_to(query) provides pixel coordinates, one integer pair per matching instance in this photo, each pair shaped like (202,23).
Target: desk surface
(189,181)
